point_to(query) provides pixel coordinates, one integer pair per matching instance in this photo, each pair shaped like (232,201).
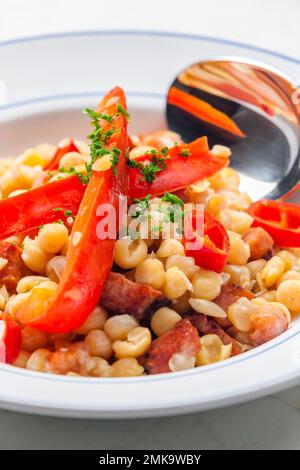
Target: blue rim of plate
(229,362)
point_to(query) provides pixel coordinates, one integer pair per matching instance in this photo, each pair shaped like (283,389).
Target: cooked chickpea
(33,339)
(212,350)
(256,267)
(176,284)
(151,271)
(55,267)
(239,313)
(184,263)
(95,321)
(223,179)
(37,360)
(22,359)
(52,237)
(170,247)
(198,193)
(236,221)
(119,326)
(135,345)
(163,320)
(15,302)
(239,251)
(140,151)
(130,253)
(38,299)
(272,271)
(72,159)
(288,258)
(291,274)
(288,293)
(258,301)
(17,192)
(269,295)
(4,297)
(99,344)
(34,257)
(206,284)
(215,204)
(239,275)
(99,367)
(28,282)
(127,367)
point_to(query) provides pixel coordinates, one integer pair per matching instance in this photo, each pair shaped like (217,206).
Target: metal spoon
(261,102)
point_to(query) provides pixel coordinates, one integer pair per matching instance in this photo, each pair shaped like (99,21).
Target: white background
(272,422)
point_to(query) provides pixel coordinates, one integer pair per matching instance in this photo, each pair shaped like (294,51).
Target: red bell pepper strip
(10,339)
(180,170)
(213,244)
(89,259)
(60,152)
(35,207)
(203,111)
(19,214)
(280,220)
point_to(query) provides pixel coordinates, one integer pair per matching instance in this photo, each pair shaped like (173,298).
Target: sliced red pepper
(89,259)
(35,207)
(203,111)
(180,170)
(281,220)
(60,152)
(213,244)
(10,339)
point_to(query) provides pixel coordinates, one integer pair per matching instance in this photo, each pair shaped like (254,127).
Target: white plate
(48,80)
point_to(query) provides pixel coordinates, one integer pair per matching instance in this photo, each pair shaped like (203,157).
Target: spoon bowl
(248,106)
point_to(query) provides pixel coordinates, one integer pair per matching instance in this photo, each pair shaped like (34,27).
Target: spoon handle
(293,195)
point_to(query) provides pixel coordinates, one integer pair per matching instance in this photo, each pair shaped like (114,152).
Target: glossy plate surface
(48,81)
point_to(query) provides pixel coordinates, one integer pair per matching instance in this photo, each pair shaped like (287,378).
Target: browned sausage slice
(120,296)
(259,241)
(12,271)
(182,339)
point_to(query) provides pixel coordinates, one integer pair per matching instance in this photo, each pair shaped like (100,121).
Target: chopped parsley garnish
(115,159)
(141,205)
(67,213)
(123,111)
(98,141)
(96,116)
(57,209)
(185,153)
(172,198)
(149,169)
(164,151)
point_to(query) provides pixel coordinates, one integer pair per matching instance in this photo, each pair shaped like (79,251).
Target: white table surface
(268,423)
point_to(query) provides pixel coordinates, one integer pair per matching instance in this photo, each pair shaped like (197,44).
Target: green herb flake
(141,206)
(172,198)
(123,111)
(185,153)
(68,213)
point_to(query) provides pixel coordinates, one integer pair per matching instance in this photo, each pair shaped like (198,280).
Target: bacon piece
(12,272)
(206,326)
(259,241)
(229,294)
(120,296)
(182,339)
